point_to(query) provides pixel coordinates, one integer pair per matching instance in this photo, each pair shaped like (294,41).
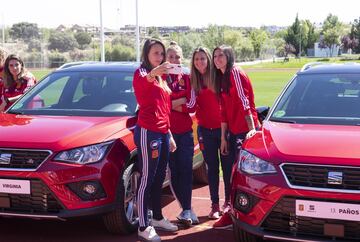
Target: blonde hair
(3,54)
(176,48)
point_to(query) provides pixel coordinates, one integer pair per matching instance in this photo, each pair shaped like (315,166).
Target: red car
(298,178)
(67,149)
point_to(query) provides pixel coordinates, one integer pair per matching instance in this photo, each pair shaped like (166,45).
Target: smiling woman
(17,80)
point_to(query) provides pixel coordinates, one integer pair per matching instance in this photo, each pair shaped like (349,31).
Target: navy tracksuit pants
(210,140)
(153,157)
(180,165)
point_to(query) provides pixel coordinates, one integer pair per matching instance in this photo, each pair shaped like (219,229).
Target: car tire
(124,219)
(200,174)
(243,236)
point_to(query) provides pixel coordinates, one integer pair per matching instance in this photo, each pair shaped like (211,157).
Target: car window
(320,98)
(81,93)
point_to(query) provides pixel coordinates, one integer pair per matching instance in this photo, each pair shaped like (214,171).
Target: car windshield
(320,99)
(80,94)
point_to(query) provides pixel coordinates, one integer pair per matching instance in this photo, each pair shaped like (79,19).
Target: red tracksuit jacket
(154,102)
(238,103)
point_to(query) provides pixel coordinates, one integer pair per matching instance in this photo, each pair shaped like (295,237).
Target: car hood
(56,132)
(281,142)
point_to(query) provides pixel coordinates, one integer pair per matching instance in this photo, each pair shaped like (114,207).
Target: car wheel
(200,174)
(124,219)
(243,236)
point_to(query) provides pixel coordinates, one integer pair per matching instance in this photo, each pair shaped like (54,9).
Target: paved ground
(92,229)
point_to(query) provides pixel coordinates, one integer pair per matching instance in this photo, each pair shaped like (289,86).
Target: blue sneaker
(194,218)
(185,217)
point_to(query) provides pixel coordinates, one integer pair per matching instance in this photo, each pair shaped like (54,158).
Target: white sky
(194,13)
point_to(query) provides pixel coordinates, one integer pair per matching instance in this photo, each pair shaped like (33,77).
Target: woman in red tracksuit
(152,137)
(209,127)
(238,114)
(17,80)
(181,127)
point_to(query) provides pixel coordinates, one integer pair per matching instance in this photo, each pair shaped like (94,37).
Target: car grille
(39,201)
(22,159)
(317,176)
(282,219)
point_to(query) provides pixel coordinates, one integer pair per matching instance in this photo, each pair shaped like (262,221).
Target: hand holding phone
(174,68)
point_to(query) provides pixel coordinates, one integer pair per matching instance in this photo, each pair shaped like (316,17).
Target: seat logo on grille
(5,158)
(335,177)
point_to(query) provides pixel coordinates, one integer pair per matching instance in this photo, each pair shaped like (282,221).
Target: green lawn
(267,83)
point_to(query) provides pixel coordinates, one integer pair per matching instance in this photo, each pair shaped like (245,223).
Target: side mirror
(262,112)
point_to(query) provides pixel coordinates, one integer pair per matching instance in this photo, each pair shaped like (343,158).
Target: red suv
(67,149)
(298,178)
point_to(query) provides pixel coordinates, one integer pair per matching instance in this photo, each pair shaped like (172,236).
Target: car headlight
(251,164)
(84,155)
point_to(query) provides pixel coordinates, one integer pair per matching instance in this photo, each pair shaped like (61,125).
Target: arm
(243,88)
(224,142)
(172,142)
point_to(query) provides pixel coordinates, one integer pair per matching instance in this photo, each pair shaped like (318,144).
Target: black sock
(142,229)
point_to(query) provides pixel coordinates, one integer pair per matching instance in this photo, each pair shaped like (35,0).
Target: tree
(332,30)
(312,35)
(214,36)
(293,35)
(83,39)
(25,31)
(355,35)
(62,41)
(258,38)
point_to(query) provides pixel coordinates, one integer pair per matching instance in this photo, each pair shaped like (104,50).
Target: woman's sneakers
(164,225)
(148,235)
(185,217)
(194,218)
(224,222)
(215,212)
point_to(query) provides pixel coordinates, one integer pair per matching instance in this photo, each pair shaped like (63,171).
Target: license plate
(330,210)
(14,186)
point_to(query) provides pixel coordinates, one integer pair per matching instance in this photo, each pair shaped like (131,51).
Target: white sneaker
(148,235)
(194,218)
(164,225)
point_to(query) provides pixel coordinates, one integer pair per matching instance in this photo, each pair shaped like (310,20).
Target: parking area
(92,229)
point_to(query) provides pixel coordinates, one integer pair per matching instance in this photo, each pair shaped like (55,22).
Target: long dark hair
(222,80)
(196,76)
(145,62)
(8,77)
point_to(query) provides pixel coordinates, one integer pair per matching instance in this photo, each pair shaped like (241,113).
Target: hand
(172,144)
(160,70)
(3,104)
(178,102)
(224,147)
(250,134)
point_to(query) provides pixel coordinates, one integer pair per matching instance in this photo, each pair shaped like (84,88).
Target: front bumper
(273,214)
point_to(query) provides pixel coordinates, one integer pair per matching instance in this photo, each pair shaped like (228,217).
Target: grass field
(267,83)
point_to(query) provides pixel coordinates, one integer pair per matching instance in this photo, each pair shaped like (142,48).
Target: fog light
(89,188)
(244,202)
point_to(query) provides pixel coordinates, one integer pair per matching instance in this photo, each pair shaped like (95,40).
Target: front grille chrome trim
(316,188)
(24,169)
(34,216)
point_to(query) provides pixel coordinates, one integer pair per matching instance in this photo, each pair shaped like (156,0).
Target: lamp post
(102,46)
(137,33)
(300,41)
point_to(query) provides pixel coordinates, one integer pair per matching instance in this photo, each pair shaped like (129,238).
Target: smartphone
(174,68)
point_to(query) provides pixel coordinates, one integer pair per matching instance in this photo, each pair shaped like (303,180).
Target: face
(15,67)
(220,60)
(173,57)
(156,55)
(200,61)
